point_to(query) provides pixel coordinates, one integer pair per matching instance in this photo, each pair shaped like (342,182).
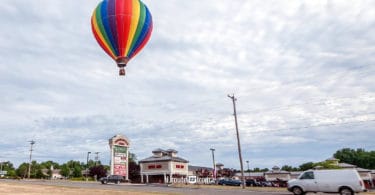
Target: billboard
(119,145)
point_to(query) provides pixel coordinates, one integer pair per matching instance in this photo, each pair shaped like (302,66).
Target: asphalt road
(147,188)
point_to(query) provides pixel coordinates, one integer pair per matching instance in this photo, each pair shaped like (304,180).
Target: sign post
(119,146)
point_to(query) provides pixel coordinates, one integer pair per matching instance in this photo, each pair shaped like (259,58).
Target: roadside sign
(192,179)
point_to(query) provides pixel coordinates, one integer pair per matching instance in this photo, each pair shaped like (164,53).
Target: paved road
(148,188)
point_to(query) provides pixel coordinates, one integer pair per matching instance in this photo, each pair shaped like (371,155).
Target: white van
(343,181)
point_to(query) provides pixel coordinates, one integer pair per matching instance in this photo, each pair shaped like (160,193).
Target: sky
(303,73)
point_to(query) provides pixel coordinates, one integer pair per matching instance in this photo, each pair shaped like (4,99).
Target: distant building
(259,176)
(277,175)
(336,162)
(55,173)
(200,171)
(163,166)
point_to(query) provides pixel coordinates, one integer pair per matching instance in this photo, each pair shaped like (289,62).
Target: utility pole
(248,168)
(1,164)
(213,160)
(32,142)
(238,138)
(87,165)
(96,157)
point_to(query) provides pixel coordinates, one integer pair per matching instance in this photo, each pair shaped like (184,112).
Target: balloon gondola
(122,28)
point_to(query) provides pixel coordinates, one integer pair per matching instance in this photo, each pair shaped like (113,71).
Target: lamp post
(214,164)
(87,164)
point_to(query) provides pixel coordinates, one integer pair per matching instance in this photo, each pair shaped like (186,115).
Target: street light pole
(213,161)
(87,164)
(238,138)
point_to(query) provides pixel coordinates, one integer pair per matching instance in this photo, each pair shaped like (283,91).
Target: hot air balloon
(122,28)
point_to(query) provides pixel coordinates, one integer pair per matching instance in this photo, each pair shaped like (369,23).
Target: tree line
(359,157)
(75,169)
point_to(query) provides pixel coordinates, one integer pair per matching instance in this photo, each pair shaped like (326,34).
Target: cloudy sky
(303,73)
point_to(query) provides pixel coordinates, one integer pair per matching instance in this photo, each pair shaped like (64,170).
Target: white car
(343,181)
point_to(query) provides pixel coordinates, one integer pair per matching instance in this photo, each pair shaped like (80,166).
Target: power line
(322,102)
(311,126)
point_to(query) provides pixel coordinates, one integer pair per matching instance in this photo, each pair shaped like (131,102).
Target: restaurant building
(164,166)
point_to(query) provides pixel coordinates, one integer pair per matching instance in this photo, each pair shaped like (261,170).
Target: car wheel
(103,182)
(117,182)
(297,191)
(346,191)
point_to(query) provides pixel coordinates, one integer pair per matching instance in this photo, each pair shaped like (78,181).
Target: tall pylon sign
(119,146)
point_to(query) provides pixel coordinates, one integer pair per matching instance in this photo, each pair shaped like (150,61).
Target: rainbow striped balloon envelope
(122,28)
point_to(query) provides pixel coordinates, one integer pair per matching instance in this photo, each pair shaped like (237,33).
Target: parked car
(252,182)
(343,181)
(229,182)
(266,184)
(112,179)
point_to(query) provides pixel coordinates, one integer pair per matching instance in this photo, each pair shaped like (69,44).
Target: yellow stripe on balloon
(102,39)
(134,24)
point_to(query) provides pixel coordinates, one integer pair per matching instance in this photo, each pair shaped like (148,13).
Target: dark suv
(252,182)
(112,179)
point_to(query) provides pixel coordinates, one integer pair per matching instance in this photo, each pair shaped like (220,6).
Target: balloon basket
(122,72)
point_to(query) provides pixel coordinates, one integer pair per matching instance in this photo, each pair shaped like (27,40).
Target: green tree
(77,171)
(12,173)
(36,170)
(359,157)
(287,168)
(39,174)
(98,171)
(76,167)
(8,166)
(49,164)
(132,157)
(22,170)
(134,172)
(326,165)
(91,164)
(64,170)
(134,168)
(306,166)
